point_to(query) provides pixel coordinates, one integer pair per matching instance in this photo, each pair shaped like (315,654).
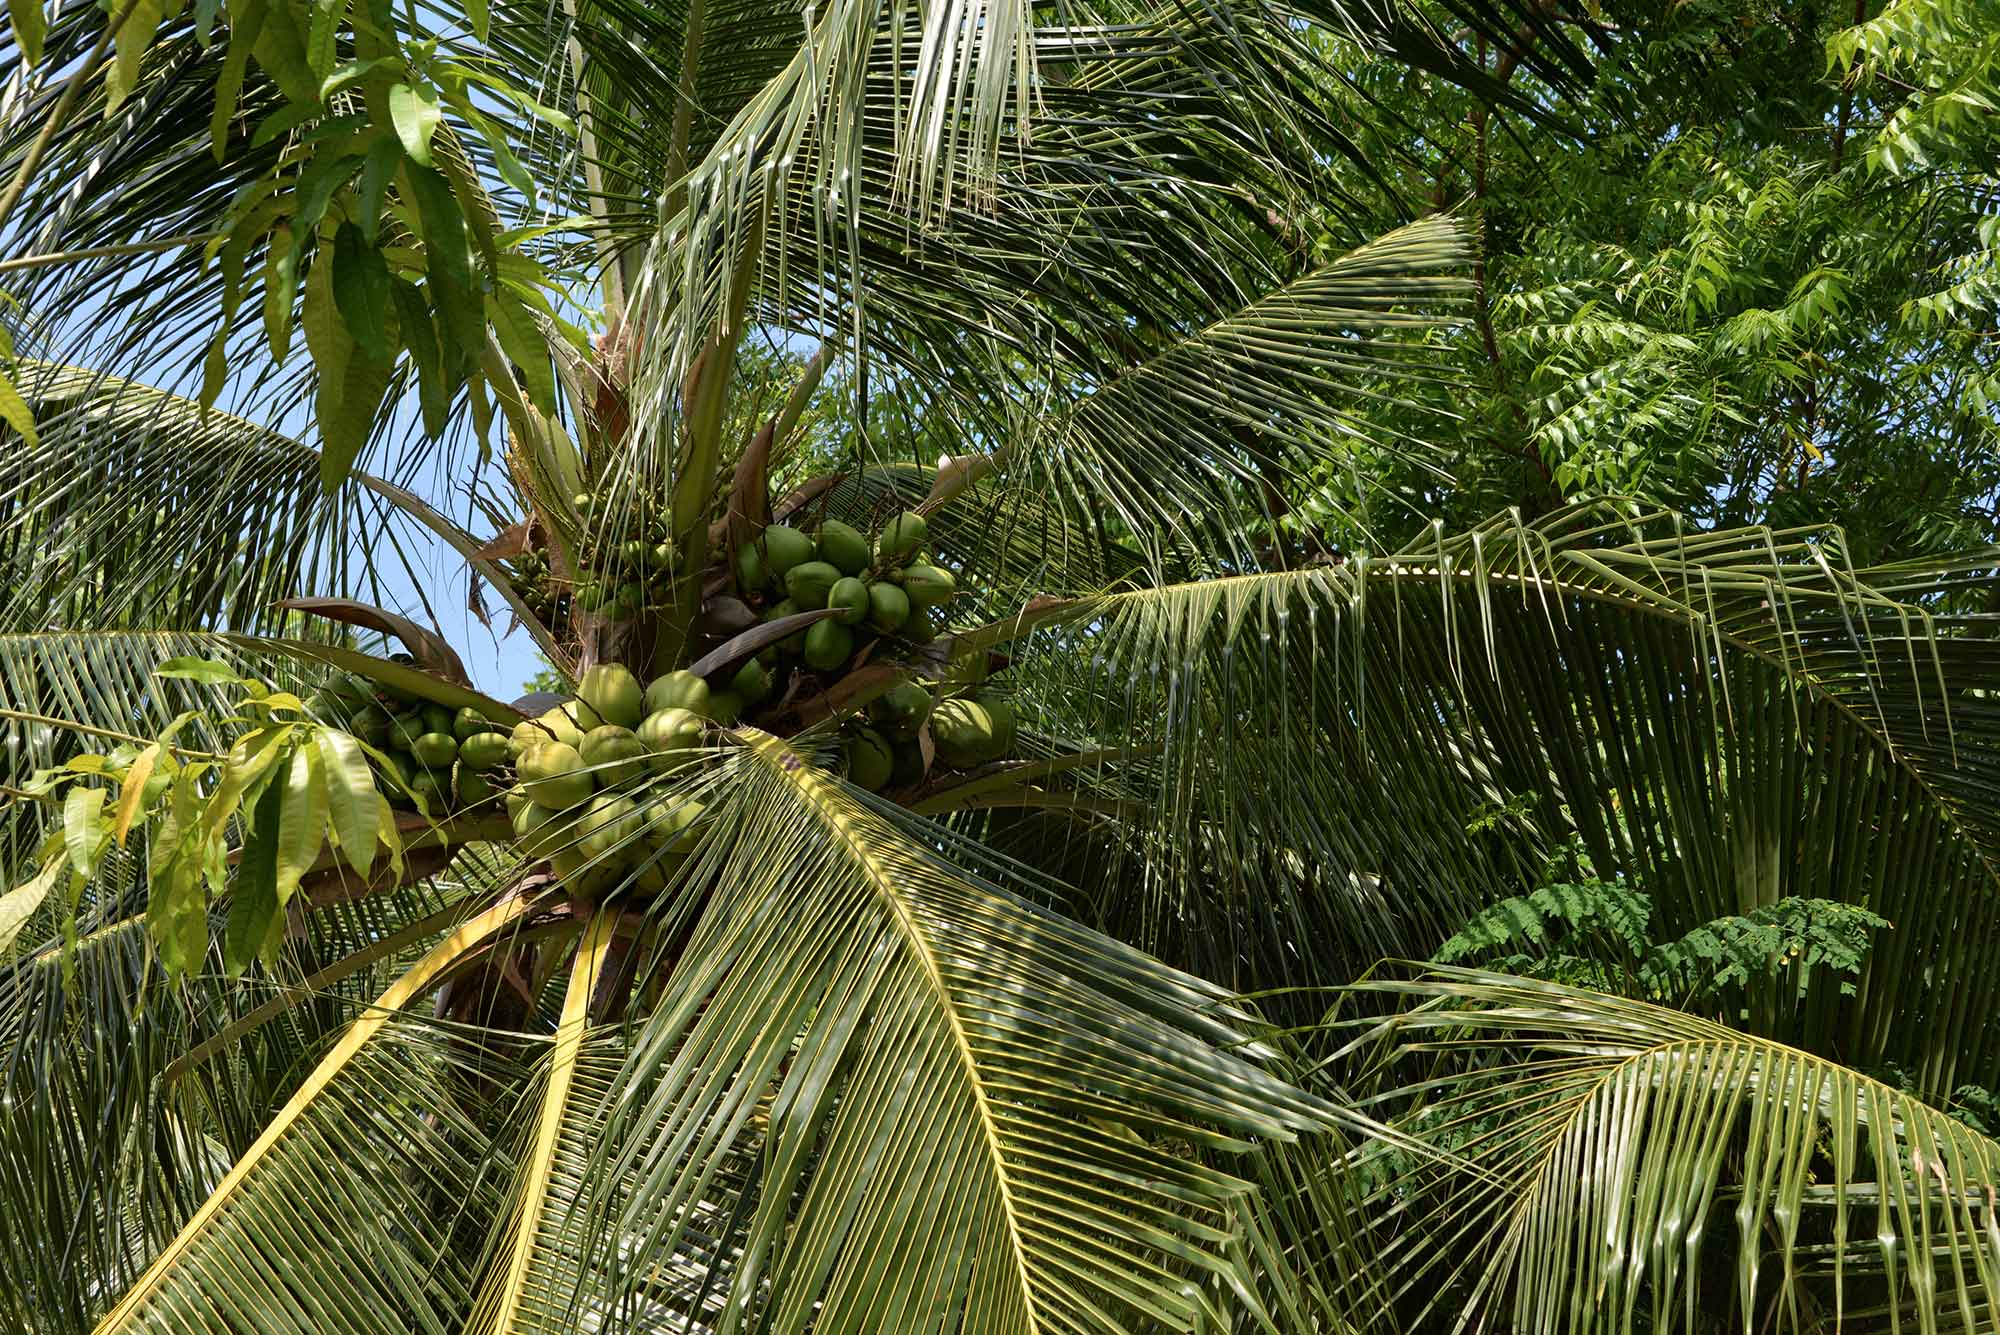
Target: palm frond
(878,1092)
(1360,755)
(368,1141)
(1592,1150)
(137,508)
(528,1289)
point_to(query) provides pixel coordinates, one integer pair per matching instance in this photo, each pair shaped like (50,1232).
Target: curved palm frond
(368,1141)
(878,1092)
(1593,1151)
(1330,739)
(138,508)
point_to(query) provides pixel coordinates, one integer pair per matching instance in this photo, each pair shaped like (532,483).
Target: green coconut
(901,536)
(784,547)
(901,710)
(809,583)
(469,722)
(471,786)
(435,750)
(828,645)
(614,755)
(849,600)
(672,735)
(371,724)
(927,586)
(725,707)
(484,751)
(677,690)
(751,573)
(750,682)
(553,774)
(779,611)
(610,827)
(612,691)
(843,547)
(962,732)
(870,759)
(437,718)
(888,607)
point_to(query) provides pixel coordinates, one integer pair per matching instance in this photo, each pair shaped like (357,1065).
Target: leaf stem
(72,90)
(108,733)
(106,252)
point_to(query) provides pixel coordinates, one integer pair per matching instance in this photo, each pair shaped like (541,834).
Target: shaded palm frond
(878,1092)
(1594,1151)
(372,1145)
(1357,756)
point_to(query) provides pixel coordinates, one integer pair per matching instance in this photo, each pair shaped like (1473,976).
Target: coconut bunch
(423,753)
(593,773)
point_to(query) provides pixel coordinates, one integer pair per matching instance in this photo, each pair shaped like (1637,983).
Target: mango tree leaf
(132,794)
(384,156)
(134,36)
(255,915)
(19,904)
(415,112)
(448,264)
(350,798)
(207,671)
(15,413)
(31,25)
(361,291)
(302,828)
(246,21)
(281,285)
(83,828)
(281,51)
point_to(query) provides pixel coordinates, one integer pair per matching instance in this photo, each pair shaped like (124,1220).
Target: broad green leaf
(303,826)
(323,36)
(248,758)
(134,37)
(327,174)
(281,51)
(347,410)
(19,904)
(31,25)
(246,21)
(384,156)
(15,413)
(521,337)
(207,671)
(434,393)
(256,917)
(281,286)
(132,794)
(215,365)
(350,799)
(361,291)
(415,111)
(83,828)
(454,296)
(354,71)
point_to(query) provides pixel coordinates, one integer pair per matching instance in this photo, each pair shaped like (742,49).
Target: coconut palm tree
(958,959)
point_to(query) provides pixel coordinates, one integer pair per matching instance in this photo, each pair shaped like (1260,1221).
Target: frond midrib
(810,785)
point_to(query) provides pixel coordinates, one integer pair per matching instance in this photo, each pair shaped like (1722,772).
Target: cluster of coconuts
(879,590)
(627,558)
(583,770)
(442,758)
(966,731)
(535,584)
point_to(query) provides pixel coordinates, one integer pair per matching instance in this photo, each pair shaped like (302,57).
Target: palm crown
(954,958)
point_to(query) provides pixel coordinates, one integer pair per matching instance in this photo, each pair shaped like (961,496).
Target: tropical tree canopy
(1264,667)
